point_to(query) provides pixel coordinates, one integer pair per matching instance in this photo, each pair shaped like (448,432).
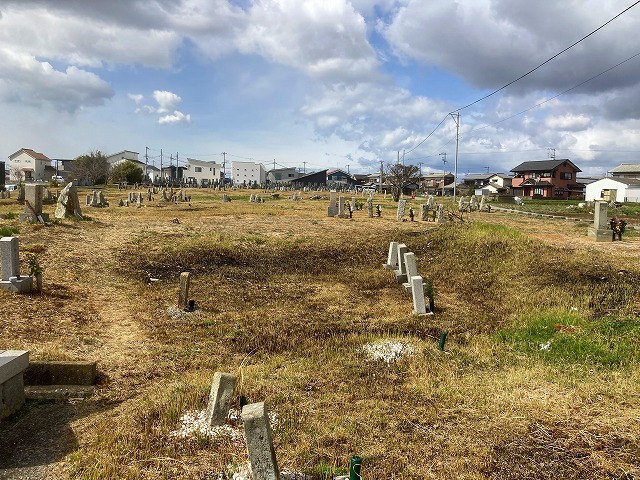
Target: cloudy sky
(323,83)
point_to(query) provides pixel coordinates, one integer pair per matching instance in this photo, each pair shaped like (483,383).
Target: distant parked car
(57,178)
(10,188)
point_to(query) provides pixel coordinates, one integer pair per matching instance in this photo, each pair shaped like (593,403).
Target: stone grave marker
(220,398)
(392,257)
(417,290)
(332,211)
(401,207)
(68,205)
(183,296)
(431,202)
(412,270)
(101,200)
(13,363)
(600,231)
(440,218)
(10,278)
(225,198)
(257,433)
(401,271)
(483,203)
(139,200)
(473,203)
(132,197)
(461,204)
(370,207)
(88,199)
(341,213)
(121,203)
(424,212)
(33,205)
(163,195)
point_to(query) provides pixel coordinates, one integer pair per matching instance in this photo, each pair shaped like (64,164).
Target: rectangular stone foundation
(12,365)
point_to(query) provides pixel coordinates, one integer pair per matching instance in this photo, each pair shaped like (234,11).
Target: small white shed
(614,190)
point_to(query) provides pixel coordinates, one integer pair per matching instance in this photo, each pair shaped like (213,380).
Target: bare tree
(93,166)
(400,176)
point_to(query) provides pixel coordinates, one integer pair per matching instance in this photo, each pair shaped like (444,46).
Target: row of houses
(551,179)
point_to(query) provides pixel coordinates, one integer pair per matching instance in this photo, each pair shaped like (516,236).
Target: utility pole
(487,169)
(348,168)
(403,156)
(146,163)
(161,175)
(381,173)
(420,177)
(552,153)
(444,162)
(456,118)
(171,166)
(304,164)
(398,161)
(177,167)
(224,168)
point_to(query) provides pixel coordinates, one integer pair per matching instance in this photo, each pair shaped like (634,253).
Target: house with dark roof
(338,176)
(311,180)
(554,178)
(27,165)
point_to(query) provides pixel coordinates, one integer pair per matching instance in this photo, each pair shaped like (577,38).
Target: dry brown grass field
(288,298)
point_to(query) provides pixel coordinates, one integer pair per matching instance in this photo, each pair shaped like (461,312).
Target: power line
(548,60)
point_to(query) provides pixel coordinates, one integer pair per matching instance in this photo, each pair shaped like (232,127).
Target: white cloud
(568,122)
(167,101)
(136,97)
(177,117)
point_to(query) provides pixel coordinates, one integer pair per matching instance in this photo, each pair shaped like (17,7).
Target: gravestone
(417,290)
(101,200)
(33,204)
(461,204)
(183,296)
(353,203)
(121,203)
(2,195)
(257,433)
(332,211)
(163,195)
(10,278)
(149,195)
(370,207)
(440,215)
(13,363)
(341,206)
(424,212)
(139,201)
(411,270)
(483,203)
(225,198)
(431,202)
(88,199)
(68,205)
(252,198)
(392,258)
(600,231)
(132,197)
(473,203)
(220,398)
(401,271)
(401,207)
(94,199)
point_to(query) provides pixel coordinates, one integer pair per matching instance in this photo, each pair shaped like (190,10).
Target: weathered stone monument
(411,270)
(68,205)
(257,433)
(461,205)
(401,271)
(392,258)
(13,363)
(483,203)
(220,398)
(440,215)
(10,278)
(183,296)
(139,200)
(599,231)
(341,213)
(225,198)
(33,205)
(370,207)
(332,211)
(402,204)
(431,202)
(424,212)
(473,203)
(417,290)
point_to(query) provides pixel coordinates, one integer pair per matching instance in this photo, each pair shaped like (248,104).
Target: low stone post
(401,207)
(392,258)
(9,251)
(257,433)
(411,270)
(370,207)
(401,271)
(183,297)
(220,398)
(417,290)
(424,212)
(341,206)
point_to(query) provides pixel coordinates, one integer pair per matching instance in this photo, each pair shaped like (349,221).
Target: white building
(116,158)
(614,190)
(247,173)
(27,165)
(202,172)
(282,175)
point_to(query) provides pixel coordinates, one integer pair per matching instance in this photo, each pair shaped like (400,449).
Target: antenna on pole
(551,153)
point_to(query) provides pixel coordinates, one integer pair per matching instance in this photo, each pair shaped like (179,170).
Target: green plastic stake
(443,338)
(354,468)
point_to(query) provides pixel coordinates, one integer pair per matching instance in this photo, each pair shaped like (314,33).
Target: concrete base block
(22,285)
(401,277)
(407,288)
(599,234)
(386,266)
(12,364)
(60,373)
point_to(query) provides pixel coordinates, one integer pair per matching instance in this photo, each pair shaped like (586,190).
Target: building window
(559,192)
(538,191)
(546,175)
(566,175)
(198,169)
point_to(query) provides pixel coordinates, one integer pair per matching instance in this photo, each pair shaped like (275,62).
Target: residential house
(614,190)
(247,173)
(432,182)
(28,165)
(311,180)
(202,173)
(172,174)
(282,175)
(546,179)
(487,183)
(338,176)
(626,170)
(116,158)
(63,168)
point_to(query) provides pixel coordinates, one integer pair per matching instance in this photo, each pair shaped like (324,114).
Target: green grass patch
(560,338)
(8,231)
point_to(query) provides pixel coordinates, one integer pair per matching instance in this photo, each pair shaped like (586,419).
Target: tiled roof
(31,153)
(626,168)
(542,166)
